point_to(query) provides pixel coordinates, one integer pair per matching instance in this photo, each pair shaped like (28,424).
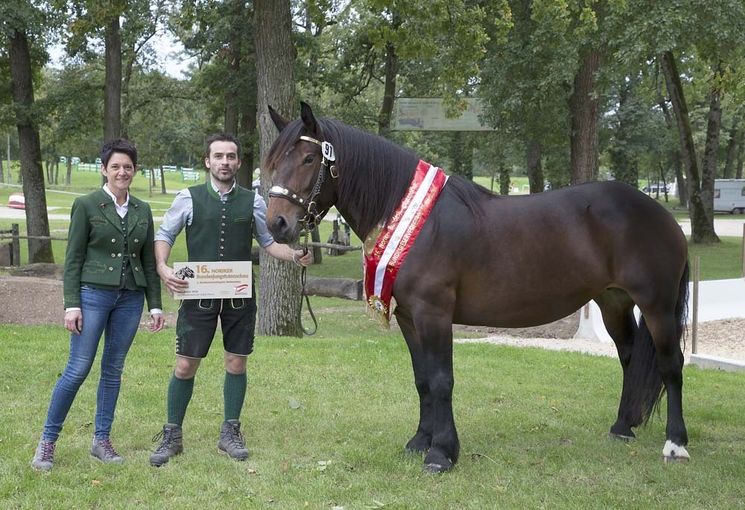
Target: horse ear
(309,120)
(278,120)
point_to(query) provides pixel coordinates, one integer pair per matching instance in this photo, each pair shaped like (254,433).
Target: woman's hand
(157,321)
(74,321)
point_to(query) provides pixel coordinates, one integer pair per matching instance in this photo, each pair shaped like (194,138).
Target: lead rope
(305,295)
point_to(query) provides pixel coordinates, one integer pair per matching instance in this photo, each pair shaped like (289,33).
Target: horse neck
(375,176)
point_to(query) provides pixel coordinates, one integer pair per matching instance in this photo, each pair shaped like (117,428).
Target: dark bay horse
(488,260)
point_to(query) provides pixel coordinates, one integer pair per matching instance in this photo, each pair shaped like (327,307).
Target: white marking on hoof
(675,453)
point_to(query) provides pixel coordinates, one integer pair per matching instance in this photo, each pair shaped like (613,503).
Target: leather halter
(309,205)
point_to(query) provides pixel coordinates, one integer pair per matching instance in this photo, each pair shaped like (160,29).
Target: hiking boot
(170,444)
(231,440)
(103,450)
(44,456)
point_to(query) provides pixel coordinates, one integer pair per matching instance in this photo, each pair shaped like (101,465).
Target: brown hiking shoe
(170,444)
(231,440)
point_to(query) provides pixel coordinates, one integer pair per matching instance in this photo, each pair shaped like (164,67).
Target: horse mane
(374,172)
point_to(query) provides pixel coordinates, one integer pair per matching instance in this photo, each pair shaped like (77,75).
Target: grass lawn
(326,419)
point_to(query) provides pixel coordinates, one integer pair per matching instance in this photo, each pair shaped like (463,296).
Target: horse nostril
(279,224)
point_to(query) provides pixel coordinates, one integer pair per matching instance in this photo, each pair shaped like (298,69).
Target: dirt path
(38,300)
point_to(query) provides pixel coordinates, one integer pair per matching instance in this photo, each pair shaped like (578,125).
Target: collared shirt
(121,210)
(181,214)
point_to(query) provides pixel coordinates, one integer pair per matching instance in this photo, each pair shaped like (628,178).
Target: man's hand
(303,258)
(172,283)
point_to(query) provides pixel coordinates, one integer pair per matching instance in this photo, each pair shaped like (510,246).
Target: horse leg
(666,333)
(617,309)
(435,332)
(422,440)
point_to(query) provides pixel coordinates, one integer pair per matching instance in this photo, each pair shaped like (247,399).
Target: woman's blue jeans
(116,313)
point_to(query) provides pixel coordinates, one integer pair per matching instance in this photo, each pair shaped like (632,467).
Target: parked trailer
(729,195)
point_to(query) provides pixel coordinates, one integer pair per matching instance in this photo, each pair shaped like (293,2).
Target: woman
(109,271)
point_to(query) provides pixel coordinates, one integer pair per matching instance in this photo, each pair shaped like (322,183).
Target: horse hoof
(436,462)
(675,453)
(437,468)
(621,437)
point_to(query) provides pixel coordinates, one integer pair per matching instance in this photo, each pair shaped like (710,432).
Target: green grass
(719,261)
(532,424)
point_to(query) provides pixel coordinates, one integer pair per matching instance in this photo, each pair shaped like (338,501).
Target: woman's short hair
(118,145)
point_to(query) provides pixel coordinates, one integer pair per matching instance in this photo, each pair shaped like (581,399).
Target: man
(219,227)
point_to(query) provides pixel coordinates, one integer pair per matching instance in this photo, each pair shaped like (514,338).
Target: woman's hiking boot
(170,444)
(103,450)
(44,456)
(231,440)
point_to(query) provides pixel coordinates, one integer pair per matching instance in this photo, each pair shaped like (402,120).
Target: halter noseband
(309,205)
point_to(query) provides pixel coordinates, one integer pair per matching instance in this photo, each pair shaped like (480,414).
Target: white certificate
(214,280)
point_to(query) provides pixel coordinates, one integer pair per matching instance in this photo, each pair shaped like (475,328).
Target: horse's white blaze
(672,451)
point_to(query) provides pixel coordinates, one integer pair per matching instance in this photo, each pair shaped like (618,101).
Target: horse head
(301,165)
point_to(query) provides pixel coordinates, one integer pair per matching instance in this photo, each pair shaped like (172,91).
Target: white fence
(717,300)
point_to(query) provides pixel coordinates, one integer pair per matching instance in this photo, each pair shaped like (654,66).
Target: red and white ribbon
(398,236)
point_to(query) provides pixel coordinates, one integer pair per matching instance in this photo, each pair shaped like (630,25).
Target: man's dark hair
(118,145)
(222,137)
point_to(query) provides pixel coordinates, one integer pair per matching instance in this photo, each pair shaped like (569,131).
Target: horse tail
(681,307)
(643,373)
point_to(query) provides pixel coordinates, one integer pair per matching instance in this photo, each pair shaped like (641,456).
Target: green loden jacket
(95,243)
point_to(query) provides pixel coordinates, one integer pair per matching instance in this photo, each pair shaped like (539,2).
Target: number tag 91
(328,151)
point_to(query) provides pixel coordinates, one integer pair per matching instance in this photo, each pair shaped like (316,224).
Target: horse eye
(308,159)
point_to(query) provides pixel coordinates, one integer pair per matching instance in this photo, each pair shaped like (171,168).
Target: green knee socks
(179,395)
(234,392)
(180,391)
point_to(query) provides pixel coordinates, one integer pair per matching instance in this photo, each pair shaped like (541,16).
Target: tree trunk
(234,68)
(2,173)
(733,148)
(162,181)
(504,179)
(583,106)
(702,225)
(112,105)
(623,161)
(711,152)
(247,133)
(674,155)
(535,170)
(389,91)
(740,158)
(279,310)
(68,175)
(461,153)
(37,221)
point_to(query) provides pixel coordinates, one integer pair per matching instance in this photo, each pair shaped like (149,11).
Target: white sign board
(428,114)
(214,280)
